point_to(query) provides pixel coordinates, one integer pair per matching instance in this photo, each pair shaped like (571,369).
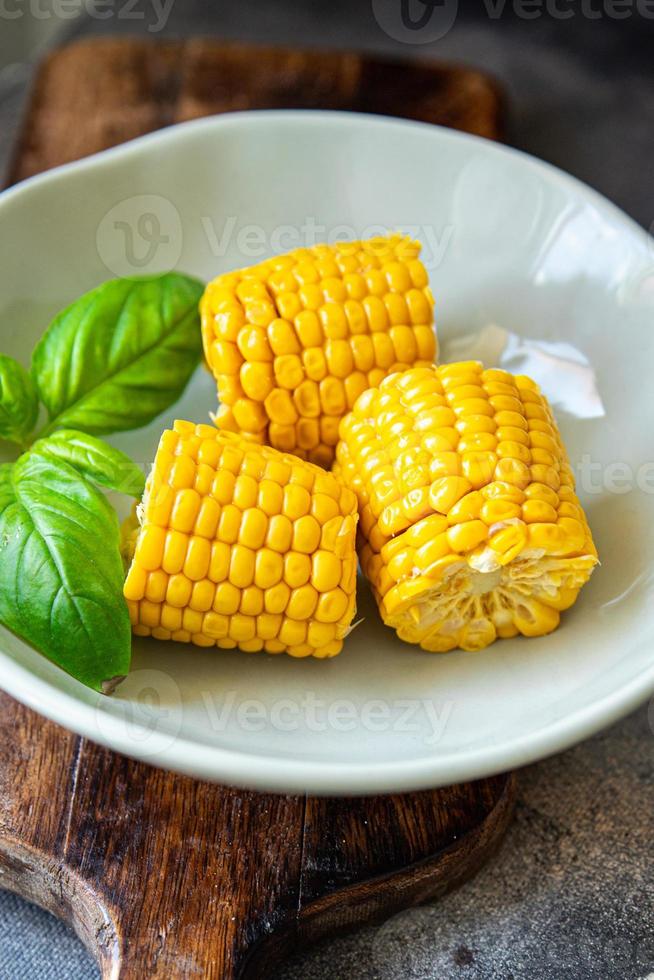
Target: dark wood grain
(163,876)
(96,93)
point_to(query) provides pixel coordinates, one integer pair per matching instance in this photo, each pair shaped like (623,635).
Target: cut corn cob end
(470,528)
(238,545)
(294,341)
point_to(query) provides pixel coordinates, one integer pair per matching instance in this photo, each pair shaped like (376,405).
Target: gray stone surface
(570,897)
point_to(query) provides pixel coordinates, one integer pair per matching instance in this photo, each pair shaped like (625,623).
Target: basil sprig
(19,403)
(119,355)
(94,459)
(61,580)
(111,361)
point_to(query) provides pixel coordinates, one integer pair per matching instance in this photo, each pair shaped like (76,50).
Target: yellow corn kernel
(135,583)
(280,407)
(332,396)
(156,586)
(424,557)
(270,498)
(242,628)
(297,569)
(206,522)
(254,527)
(285,436)
(202,595)
(329,431)
(182,473)
(505,492)
(422,532)
(150,547)
(257,380)
(349,575)
(185,510)
(326,571)
(222,488)
(307,400)
(245,492)
(302,478)
(171,618)
(331,606)
(465,537)
(324,507)
(320,634)
(355,384)
(276,599)
(162,506)
(227,598)
(249,415)
(251,601)
(241,566)
(198,558)
(280,533)
(215,626)
(478,468)
(534,511)
(296,502)
(204,478)
(495,511)
(534,618)
(292,633)
(308,329)
(306,534)
(513,471)
(269,568)
(302,603)
(219,562)
(339,317)
(251,548)
(268,626)
(179,590)
(467,509)
(446,491)
(331,531)
(466,532)
(229,524)
(149,614)
(232,389)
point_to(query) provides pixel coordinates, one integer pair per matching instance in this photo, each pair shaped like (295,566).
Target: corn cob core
(242,546)
(294,341)
(470,528)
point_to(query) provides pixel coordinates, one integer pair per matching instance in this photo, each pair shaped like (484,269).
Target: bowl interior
(530,270)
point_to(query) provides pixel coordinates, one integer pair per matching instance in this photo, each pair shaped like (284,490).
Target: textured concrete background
(571,895)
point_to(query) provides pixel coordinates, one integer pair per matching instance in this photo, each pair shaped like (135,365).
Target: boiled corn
(470,528)
(294,341)
(238,545)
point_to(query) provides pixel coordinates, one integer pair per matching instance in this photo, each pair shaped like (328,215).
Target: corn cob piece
(294,341)
(470,528)
(242,546)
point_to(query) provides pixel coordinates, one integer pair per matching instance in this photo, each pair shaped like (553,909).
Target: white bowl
(509,241)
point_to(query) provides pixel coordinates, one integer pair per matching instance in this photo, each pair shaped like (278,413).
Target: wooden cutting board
(160,875)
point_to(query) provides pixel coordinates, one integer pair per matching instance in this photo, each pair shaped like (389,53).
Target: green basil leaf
(120,354)
(19,403)
(95,460)
(61,574)
(6,489)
